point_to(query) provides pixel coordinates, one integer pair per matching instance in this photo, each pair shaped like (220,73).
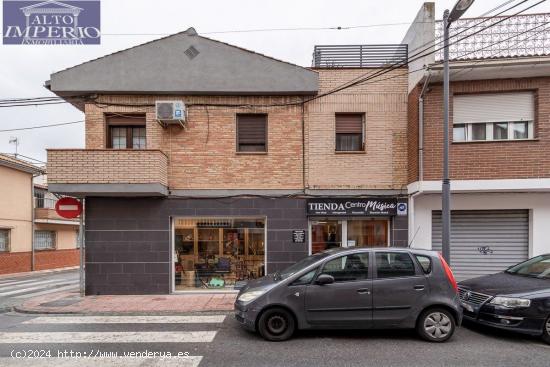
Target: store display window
(215,253)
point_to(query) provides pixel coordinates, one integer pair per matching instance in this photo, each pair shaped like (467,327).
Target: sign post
(70,208)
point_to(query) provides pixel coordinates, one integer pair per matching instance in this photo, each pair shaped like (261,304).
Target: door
(484,241)
(348,301)
(325,234)
(398,289)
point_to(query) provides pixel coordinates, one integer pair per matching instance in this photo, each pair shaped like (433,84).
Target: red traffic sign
(68,208)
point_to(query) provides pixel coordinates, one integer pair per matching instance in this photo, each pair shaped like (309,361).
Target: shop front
(360,222)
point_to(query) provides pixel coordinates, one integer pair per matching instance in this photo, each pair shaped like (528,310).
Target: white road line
(190,361)
(108,337)
(25,290)
(50,290)
(208,319)
(15,286)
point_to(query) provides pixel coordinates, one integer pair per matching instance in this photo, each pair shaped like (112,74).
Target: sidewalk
(72,303)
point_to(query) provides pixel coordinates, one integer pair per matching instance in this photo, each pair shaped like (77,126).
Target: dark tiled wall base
(128,239)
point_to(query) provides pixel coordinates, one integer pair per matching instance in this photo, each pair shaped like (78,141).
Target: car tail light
(448,273)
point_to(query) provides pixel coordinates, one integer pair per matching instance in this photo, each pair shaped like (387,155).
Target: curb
(118,313)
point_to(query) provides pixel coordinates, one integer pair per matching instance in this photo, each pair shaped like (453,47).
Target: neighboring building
(252,182)
(500,139)
(54,237)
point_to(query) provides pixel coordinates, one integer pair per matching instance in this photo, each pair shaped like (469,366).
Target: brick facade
(487,160)
(18,262)
(383,164)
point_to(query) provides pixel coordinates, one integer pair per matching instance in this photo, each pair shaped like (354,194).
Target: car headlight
(250,296)
(511,302)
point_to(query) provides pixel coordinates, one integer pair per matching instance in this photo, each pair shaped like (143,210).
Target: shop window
(4,240)
(348,268)
(215,253)
(350,132)
(252,133)
(44,240)
(394,264)
(325,234)
(126,132)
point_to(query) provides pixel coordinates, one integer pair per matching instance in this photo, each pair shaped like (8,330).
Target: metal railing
(47,203)
(44,240)
(359,56)
(518,36)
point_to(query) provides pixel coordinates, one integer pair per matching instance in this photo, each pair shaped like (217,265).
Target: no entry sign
(68,208)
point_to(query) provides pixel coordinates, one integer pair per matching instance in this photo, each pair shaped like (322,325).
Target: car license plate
(467,307)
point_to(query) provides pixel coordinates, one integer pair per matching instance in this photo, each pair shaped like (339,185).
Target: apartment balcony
(44,212)
(107,172)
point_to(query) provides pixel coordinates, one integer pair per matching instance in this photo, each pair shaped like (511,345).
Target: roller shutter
(484,241)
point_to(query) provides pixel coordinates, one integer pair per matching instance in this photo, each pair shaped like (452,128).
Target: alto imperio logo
(50,22)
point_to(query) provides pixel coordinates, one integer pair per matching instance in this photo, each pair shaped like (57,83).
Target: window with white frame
(493,117)
(4,240)
(44,240)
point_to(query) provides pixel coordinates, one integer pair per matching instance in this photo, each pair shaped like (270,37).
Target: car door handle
(363,291)
(418,287)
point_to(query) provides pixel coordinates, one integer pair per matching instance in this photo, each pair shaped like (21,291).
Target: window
(495,116)
(348,268)
(425,263)
(252,133)
(126,132)
(350,132)
(394,264)
(305,279)
(4,240)
(44,240)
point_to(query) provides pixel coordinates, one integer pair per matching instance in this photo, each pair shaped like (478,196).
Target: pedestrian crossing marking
(16,282)
(108,337)
(50,290)
(38,288)
(42,283)
(199,319)
(189,361)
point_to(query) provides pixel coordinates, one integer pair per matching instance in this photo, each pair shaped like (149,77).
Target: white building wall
(538,204)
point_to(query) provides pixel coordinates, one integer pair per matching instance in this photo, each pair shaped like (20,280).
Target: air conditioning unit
(170,112)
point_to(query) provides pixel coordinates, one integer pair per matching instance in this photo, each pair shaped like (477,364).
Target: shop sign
(352,207)
(401,208)
(299,236)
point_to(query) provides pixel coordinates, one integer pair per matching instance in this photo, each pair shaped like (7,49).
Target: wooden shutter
(251,129)
(347,123)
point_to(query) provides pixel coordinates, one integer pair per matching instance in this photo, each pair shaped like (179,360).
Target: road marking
(108,337)
(14,286)
(51,290)
(25,290)
(190,361)
(208,319)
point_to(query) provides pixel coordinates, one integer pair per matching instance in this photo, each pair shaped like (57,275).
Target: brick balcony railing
(107,166)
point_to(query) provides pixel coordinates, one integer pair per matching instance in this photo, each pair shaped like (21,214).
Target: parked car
(354,288)
(517,299)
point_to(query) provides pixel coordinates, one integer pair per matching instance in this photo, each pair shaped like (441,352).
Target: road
(15,290)
(217,340)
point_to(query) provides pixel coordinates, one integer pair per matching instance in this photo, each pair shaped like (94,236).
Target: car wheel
(436,325)
(276,324)
(546,331)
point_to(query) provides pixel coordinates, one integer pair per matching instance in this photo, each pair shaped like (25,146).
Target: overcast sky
(24,68)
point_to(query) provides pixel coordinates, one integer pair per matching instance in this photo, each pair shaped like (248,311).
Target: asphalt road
(16,290)
(215,340)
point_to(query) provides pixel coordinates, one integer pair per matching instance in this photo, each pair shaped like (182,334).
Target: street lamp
(459,9)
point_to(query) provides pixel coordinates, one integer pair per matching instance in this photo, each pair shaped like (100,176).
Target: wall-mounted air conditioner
(170,112)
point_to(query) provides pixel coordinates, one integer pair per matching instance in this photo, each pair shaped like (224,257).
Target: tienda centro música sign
(68,207)
(352,206)
(51,22)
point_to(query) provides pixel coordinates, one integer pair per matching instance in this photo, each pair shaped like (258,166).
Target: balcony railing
(517,36)
(359,56)
(107,171)
(44,210)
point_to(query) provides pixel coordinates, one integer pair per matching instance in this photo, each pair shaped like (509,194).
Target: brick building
(262,172)
(499,131)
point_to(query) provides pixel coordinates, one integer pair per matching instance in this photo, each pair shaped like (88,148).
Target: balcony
(44,212)
(107,172)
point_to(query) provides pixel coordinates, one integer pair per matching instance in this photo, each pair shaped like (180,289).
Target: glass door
(326,234)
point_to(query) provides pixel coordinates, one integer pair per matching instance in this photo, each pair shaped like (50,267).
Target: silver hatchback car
(355,288)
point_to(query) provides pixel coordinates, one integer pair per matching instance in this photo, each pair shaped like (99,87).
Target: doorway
(327,233)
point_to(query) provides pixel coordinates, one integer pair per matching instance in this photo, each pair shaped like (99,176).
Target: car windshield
(302,264)
(537,267)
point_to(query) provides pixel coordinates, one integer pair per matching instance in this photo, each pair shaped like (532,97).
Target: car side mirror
(324,279)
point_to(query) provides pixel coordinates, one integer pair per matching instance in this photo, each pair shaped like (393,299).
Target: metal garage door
(484,241)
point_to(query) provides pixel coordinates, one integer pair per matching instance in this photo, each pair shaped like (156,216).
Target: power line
(43,126)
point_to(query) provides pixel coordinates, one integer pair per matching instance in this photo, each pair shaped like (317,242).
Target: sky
(25,68)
